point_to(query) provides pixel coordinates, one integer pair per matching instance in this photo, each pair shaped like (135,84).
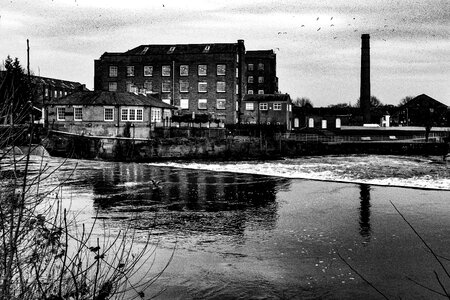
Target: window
(250,79)
(249,106)
(184,103)
(55,94)
(184,70)
(207,48)
(237,89)
(46,92)
(202,87)
(261,66)
(184,86)
(220,104)
(166,100)
(109,113)
(167,114)
(250,92)
(156,114)
(132,114)
(221,69)
(221,86)
(148,86)
(148,70)
(166,86)
(165,70)
(260,91)
(277,106)
(237,72)
(112,86)
(130,71)
(78,113)
(250,67)
(112,71)
(202,103)
(263,106)
(61,113)
(202,70)
(260,79)
(130,87)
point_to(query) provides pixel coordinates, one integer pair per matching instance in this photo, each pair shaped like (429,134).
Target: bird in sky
(331,25)
(331,18)
(319,28)
(317,19)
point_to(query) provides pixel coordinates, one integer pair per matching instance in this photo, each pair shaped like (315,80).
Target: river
(290,229)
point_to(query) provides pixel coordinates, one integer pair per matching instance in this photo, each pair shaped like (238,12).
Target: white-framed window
(166,86)
(202,70)
(184,103)
(46,92)
(237,89)
(221,69)
(65,93)
(260,91)
(148,85)
(250,79)
(167,114)
(250,92)
(113,71)
(156,114)
(261,66)
(184,86)
(148,70)
(78,113)
(237,72)
(277,106)
(55,94)
(250,67)
(263,106)
(132,114)
(221,86)
(184,70)
(261,79)
(130,71)
(112,86)
(165,70)
(108,113)
(220,103)
(202,87)
(249,106)
(61,113)
(129,86)
(202,104)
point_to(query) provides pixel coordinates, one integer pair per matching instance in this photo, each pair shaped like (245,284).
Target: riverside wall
(227,148)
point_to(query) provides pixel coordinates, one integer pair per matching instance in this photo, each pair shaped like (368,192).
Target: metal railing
(314,138)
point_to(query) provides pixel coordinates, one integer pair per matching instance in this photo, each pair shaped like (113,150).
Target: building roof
(259,53)
(57,83)
(101,98)
(178,49)
(267,97)
(423,101)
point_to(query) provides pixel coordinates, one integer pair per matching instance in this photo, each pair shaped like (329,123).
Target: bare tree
(405,100)
(302,102)
(374,102)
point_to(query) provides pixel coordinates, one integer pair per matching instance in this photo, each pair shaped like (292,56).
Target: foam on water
(413,172)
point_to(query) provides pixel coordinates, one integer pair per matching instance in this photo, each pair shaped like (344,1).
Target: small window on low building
(112,86)
(260,91)
(249,106)
(165,70)
(202,104)
(61,113)
(263,106)
(148,71)
(202,87)
(221,103)
(277,106)
(130,71)
(78,113)
(221,86)
(184,103)
(109,113)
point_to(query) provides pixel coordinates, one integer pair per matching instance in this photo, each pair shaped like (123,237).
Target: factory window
(221,86)
(250,79)
(165,71)
(202,70)
(261,66)
(250,67)
(131,114)
(184,86)
(260,91)
(263,106)
(61,113)
(221,69)
(202,87)
(250,92)
(148,86)
(166,86)
(184,103)
(112,86)
(112,71)
(184,70)
(109,113)
(202,103)
(220,103)
(260,79)
(130,71)
(249,106)
(78,113)
(277,106)
(148,70)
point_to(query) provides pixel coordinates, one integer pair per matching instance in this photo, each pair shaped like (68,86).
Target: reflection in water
(364,219)
(187,200)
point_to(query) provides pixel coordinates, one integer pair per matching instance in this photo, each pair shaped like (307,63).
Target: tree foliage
(405,100)
(302,102)
(374,102)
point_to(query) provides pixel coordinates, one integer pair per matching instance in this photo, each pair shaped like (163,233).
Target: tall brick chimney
(364,98)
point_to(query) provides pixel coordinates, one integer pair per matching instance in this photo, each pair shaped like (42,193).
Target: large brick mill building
(200,79)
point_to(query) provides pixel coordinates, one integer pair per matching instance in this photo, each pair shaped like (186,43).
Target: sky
(317,42)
